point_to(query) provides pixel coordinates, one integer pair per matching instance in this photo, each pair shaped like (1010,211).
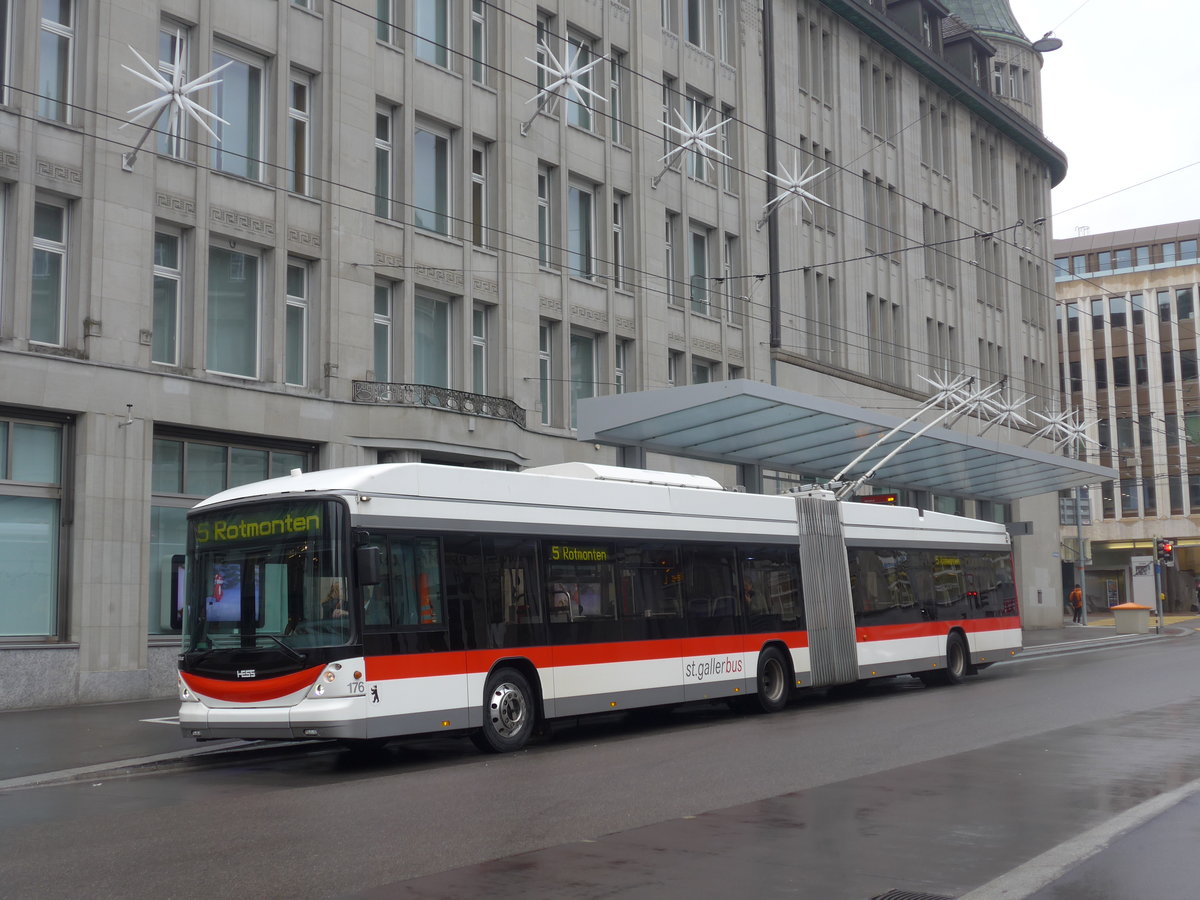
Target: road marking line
(1052,865)
(162,720)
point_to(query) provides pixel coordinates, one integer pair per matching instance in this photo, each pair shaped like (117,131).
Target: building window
(579,103)
(56,38)
(670,15)
(30,504)
(479,42)
(168,279)
(384,162)
(618,240)
(734,303)
(669,100)
(695,26)
(546,371)
(616,94)
(672,229)
(1184,308)
(479,342)
(386,17)
(231,339)
(431,341)
(545,193)
(238,99)
(545,34)
(580,231)
(729,162)
(698,116)
(174,41)
(299,133)
(381,332)
(725,38)
(48,295)
(184,472)
(622,358)
(295,353)
(703,371)
(431,180)
(480,208)
(674,361)
(698,259)
(583,371)
(5,49)
(430,28)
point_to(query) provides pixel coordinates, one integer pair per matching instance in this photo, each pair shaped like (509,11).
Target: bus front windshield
(268,575)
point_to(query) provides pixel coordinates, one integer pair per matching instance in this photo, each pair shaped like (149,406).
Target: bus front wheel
(772,682)
(508,716)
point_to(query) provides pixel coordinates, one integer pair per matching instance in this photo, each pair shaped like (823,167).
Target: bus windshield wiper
(293,653)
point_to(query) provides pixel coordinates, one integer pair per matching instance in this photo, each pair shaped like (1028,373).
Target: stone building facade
(389,253)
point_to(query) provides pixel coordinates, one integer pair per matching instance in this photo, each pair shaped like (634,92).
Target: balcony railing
(431,397)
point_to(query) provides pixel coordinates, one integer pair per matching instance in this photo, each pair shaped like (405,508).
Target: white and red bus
(370,602)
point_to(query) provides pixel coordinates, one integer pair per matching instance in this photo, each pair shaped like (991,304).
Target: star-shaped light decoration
(791,186)
(1064,427)
(694,138)
(947,391)
(1004,410)
(174,96)
(564,76)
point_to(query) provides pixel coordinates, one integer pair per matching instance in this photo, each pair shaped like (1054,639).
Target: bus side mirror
(370,562)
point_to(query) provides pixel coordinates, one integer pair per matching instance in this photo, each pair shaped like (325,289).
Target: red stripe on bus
(870,633)
(252,691)
(417,665)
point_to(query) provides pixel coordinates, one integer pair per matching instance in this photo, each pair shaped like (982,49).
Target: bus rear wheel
(957,667)
(508,716)
(772,681)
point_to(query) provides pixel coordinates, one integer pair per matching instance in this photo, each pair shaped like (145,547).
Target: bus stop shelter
(748,423)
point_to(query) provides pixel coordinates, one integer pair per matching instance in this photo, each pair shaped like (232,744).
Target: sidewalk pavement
(53,744)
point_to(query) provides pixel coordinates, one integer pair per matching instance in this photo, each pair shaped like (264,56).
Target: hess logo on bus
(246,673)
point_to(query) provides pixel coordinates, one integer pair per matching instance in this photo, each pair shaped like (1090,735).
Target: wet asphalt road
(891,787)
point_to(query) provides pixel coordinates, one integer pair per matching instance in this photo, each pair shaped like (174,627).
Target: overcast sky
(1120,99)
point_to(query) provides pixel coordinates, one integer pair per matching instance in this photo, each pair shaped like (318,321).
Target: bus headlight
(330,675)
(185,696)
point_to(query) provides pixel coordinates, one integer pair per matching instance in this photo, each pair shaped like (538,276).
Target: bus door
(825,576)
(416,668)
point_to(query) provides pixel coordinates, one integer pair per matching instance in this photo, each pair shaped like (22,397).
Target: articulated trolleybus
(364,603)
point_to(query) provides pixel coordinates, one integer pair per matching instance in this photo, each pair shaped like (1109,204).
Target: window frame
(382,324)
(699,250)
(260,258)
(385,149)
(423,343)
(254,163)
(479,42)
(298,176)
(174,276)
(480,315)
(481,207)
(57,107)
(172,139)
(581,230)
(296,305)
(61,249)
(439,180)
(439,54)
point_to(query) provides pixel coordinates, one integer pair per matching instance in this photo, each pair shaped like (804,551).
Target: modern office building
(389,250)
(1127,329)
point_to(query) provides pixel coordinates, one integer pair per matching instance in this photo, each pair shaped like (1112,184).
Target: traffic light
(1164,551)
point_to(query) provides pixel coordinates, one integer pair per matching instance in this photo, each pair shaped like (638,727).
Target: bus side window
(416,582)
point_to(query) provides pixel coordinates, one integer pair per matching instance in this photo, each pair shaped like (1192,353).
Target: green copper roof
(989,17)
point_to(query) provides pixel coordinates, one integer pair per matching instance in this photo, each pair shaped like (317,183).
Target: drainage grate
(911,895)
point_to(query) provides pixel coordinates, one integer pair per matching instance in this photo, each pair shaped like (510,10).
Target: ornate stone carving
(245,223)
(58,172)
(447,277)
(429,397)
(486,286)
(304,238)
(181,206)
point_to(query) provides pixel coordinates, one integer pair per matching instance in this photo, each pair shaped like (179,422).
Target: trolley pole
(1080,577)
